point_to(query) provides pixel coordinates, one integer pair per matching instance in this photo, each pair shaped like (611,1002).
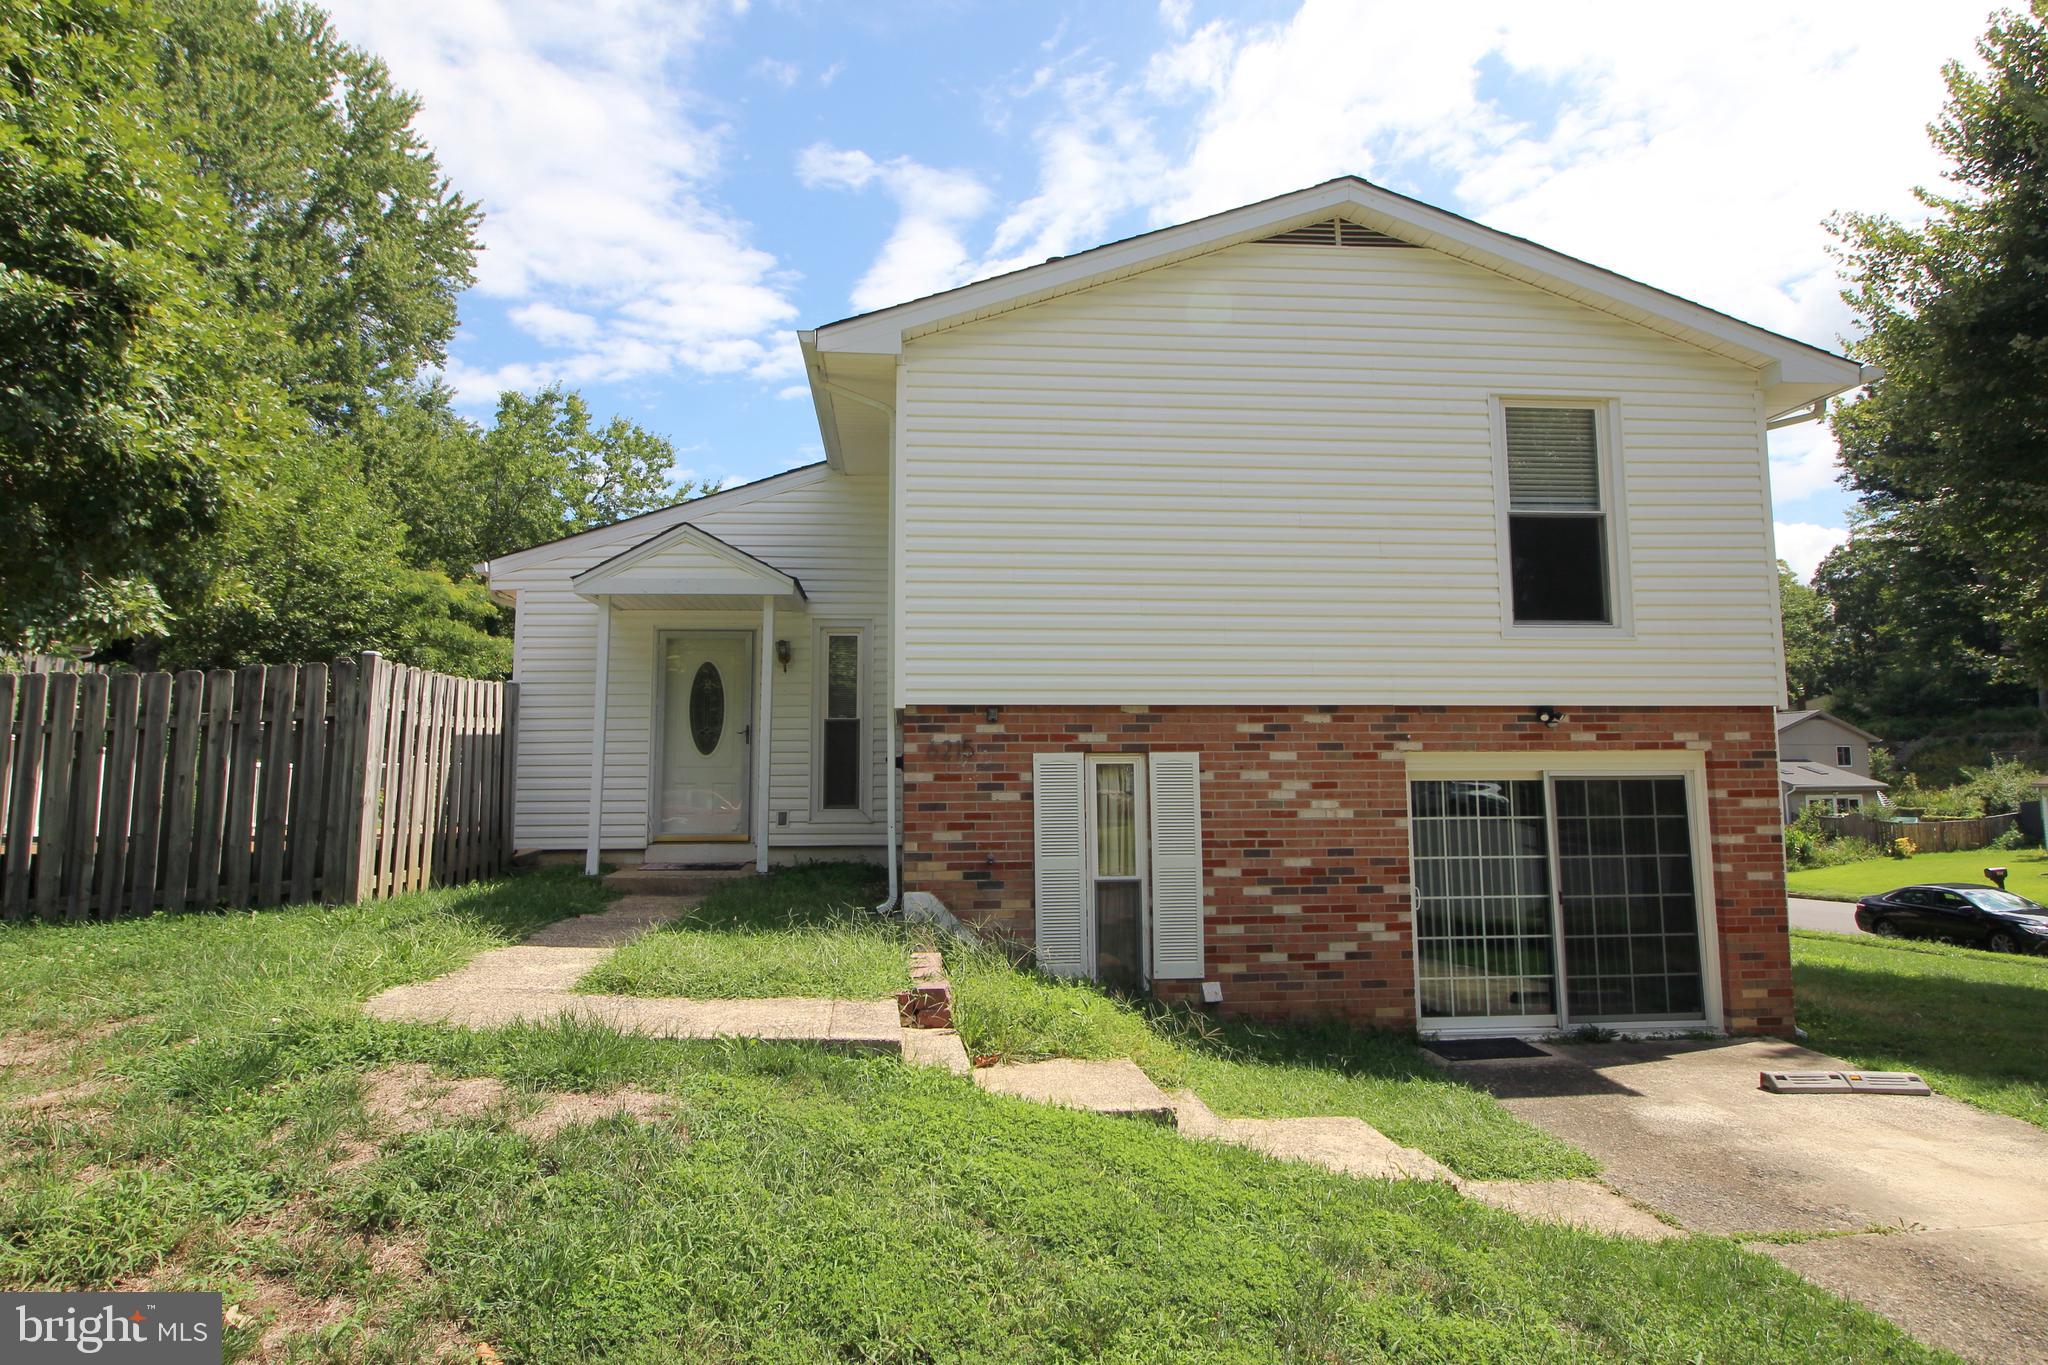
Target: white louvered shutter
(1176,866)
(1553,460)
(1057,827)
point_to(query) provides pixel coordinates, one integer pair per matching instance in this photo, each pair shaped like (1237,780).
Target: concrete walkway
(531,983)
(1921,1208)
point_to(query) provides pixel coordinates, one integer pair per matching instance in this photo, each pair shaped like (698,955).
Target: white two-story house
(1329,607)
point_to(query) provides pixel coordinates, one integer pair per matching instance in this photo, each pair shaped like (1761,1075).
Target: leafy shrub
(1901,847)
(2011,839)
(1808,843)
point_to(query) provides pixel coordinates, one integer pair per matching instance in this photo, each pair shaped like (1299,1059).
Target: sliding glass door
(1551,901)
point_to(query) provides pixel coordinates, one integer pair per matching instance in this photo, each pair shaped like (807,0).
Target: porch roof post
(764,710)
(597,728)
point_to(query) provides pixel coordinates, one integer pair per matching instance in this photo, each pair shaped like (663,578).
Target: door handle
(747,733)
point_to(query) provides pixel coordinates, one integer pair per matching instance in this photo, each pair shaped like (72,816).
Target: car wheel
(2002,942)
(1884,928)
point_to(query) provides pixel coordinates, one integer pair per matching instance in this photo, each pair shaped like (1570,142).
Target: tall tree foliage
(1808,636)
(348,237)
(1950,450)
(127,401)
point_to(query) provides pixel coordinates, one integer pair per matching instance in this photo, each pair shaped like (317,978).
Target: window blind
(1553,460)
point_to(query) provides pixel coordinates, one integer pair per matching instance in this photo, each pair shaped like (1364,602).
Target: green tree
(347,236)
(127,403)
(1911,638)
(1809,636)
(541,470)
(1950,450)
(313,565)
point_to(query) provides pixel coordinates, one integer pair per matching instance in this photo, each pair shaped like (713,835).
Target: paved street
(1837,917)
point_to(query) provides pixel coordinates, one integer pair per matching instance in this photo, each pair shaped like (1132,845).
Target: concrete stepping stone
(1116,1087)
(1340,1143)
(1586,1204)
(936,1047)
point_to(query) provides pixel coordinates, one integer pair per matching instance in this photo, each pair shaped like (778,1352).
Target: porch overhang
(685,568)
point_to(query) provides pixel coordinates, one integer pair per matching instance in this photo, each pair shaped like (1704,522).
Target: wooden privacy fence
(1930,836)
(121,794)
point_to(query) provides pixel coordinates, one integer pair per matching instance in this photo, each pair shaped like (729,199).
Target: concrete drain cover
(1842,1083)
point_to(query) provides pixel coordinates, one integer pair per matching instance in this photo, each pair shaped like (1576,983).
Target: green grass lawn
(1969,1021)
(199,1121)
(1247,1070)
(803,931)
(1852,881)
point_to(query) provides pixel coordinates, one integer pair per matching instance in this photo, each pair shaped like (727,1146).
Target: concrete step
(1115,1087)
(672,881)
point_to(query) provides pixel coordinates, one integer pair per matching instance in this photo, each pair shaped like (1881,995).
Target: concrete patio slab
(1114,1087)
(1682,1127)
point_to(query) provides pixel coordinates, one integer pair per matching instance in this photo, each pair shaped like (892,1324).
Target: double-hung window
(1560,568)
(1844,756)
(842,750)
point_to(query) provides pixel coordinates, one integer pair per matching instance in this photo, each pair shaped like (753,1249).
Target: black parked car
(1960,912)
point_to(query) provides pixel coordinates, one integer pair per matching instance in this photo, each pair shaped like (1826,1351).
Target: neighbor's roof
(1802,776)
(1788,719)
(1796,367)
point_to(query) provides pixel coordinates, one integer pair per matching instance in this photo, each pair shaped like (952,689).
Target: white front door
(703,787)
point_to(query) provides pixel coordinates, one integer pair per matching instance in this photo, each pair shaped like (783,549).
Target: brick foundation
(1305,834)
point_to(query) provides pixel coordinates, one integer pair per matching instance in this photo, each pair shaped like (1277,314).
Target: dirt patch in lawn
(411,1098)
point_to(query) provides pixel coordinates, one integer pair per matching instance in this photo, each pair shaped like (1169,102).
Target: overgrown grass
(1248,1070)
(1852,881)
(802,1207)
(803,931)
(1969,1021)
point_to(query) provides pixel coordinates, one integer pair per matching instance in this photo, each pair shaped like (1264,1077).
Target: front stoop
(655,880)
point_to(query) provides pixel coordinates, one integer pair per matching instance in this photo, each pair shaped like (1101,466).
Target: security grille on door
(1094,825)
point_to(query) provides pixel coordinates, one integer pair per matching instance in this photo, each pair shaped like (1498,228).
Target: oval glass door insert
(707,708)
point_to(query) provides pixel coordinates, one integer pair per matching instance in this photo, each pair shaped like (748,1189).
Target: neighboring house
(1823,760)
(1328,607)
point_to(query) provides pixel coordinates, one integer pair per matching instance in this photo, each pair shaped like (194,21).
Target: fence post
(27,785)
(373,710)
(508,770)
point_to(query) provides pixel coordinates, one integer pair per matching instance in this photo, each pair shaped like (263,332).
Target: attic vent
(1335,232)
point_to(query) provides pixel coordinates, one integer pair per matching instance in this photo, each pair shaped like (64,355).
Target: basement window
(1559,564)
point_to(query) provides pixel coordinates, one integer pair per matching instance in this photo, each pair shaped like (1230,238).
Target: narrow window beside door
(1118,876)
(840,763)
(1558,560)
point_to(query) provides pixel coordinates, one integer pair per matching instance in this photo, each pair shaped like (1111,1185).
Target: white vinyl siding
(1176,867)
(828,529)
(1267,475)
(1059,890)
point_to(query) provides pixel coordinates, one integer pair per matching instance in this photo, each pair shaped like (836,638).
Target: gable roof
(1800,776)
(705,566)
(1796,373)
(1788,719)
(660,518)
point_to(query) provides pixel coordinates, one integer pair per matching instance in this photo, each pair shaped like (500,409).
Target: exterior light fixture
(782,654)
(1549,716)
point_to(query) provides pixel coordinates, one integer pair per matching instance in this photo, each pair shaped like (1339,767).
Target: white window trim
(1141,817)
(820,634)
(1613,508)
(1689,764)
(1845,755)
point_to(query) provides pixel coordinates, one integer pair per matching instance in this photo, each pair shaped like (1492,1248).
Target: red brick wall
(1304,825)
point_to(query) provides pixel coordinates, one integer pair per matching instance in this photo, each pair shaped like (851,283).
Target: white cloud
(776,72)
(1803,544)
(1698,152)
(573,126)
(924,253)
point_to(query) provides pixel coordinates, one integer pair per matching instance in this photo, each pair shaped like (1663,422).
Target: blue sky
(673,186)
